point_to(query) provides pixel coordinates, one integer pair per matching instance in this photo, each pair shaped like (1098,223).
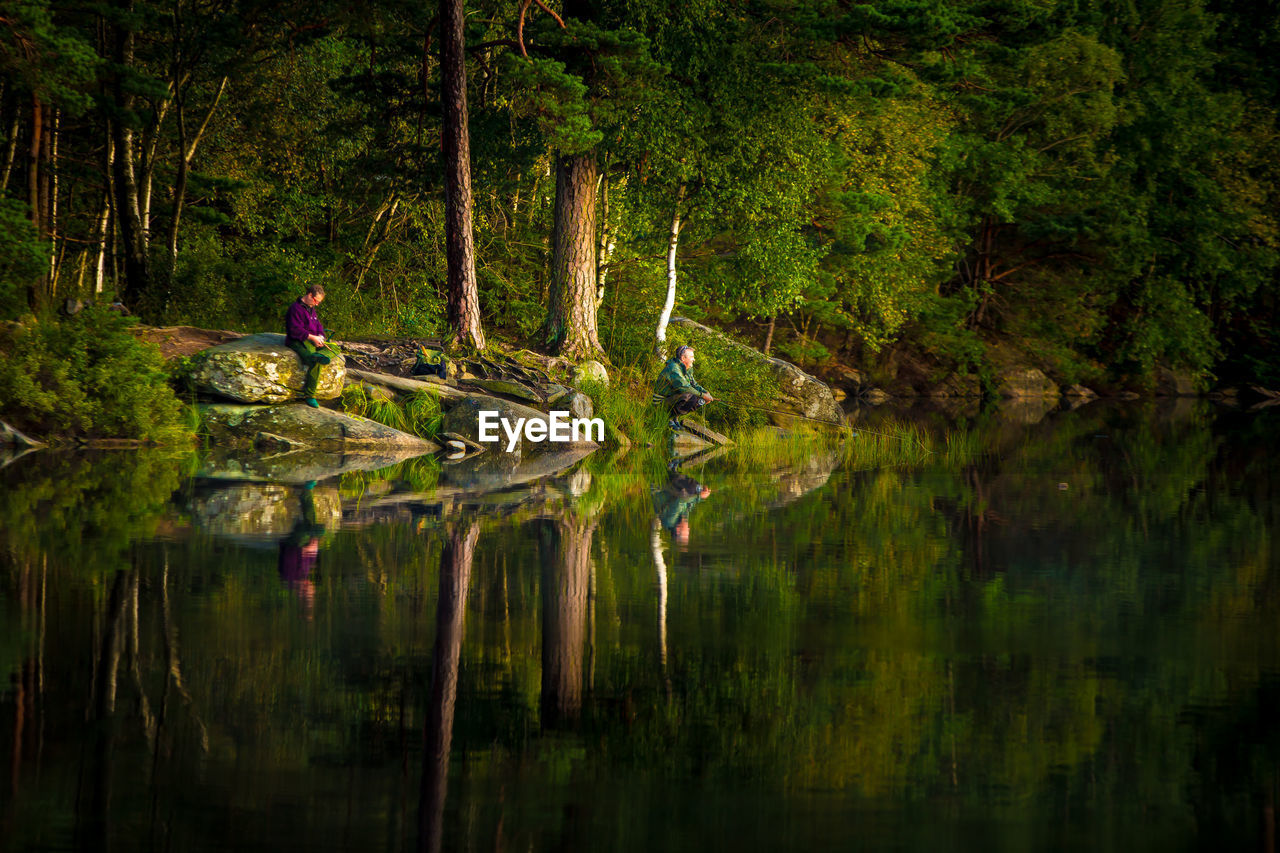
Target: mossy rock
(261,369)
(1019,382)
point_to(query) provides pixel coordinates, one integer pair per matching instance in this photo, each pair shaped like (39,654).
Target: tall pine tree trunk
(570,329)
(463,307)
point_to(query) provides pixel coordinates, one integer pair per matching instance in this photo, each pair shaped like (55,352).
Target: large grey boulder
(799,393)
(261,369)
(1020,382)
(463,417)
(298,426)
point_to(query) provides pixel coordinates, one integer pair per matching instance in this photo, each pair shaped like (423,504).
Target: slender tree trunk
(186,153)
(608,240)
(133,233)
(35,290)
(437,735)
(104,226)
(463,307)
(673,242)
(570,328)
(11,148)
(51,203)
(768,338)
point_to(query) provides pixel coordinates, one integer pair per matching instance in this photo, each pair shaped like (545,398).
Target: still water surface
(1065,639)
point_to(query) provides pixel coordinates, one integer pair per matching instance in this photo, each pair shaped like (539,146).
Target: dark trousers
(308,354)
(684,403)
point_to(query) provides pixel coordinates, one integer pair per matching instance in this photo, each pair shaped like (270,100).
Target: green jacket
(674,379)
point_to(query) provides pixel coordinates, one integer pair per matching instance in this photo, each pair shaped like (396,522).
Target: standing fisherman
(676,388)
(304,335)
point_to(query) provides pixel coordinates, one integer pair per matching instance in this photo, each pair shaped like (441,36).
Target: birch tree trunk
(570,329)
(673,241)
(463,303)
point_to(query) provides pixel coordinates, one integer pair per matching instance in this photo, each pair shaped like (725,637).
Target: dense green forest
(1088,185)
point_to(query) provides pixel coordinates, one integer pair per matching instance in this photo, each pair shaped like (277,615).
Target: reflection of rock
(796,481)
(259,510)
(492,471)
(300,425)
(801,393)
(1027,410)
(299,466)
(463,418)
(261,369)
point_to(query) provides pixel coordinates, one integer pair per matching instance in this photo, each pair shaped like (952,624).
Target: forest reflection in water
(1067,638)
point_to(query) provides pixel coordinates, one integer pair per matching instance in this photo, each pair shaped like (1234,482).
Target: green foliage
(87,376)
(22,257)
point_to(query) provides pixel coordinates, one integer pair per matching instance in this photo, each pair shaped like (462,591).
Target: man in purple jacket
(305,336)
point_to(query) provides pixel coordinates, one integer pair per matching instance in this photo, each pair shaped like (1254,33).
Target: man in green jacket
(676,388)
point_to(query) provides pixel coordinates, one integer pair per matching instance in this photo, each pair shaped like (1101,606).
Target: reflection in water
(451,605)
(300,550)
(672,502)
(564,544)
(957,655)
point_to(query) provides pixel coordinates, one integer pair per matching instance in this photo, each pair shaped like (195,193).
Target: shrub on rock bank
(87,377)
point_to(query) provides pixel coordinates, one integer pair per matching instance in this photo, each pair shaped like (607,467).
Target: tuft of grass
(418,413)
(626,406)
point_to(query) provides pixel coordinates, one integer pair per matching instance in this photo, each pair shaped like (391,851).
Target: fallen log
(409,386)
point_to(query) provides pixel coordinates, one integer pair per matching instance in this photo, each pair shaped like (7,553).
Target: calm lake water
(1067,637)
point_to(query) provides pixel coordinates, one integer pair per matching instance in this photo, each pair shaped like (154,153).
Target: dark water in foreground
(1068,640)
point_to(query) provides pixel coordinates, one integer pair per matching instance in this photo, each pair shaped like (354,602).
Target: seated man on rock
(676,388)
(304,335)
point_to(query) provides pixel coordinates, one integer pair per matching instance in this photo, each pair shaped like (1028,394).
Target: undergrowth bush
(87,376)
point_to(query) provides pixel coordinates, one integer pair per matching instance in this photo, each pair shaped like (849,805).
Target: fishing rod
(821,421)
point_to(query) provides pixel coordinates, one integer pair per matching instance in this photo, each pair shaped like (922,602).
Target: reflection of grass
(417,475)
(418,414)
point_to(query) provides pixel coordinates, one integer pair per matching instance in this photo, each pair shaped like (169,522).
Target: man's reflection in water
(671,505)
(300,550)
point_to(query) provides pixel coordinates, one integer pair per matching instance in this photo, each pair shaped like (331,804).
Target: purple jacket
(301,320)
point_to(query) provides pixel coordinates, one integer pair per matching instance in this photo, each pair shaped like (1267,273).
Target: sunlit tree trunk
(451,603)
(570,328)
(463,306)
(673,242)
(566,579)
